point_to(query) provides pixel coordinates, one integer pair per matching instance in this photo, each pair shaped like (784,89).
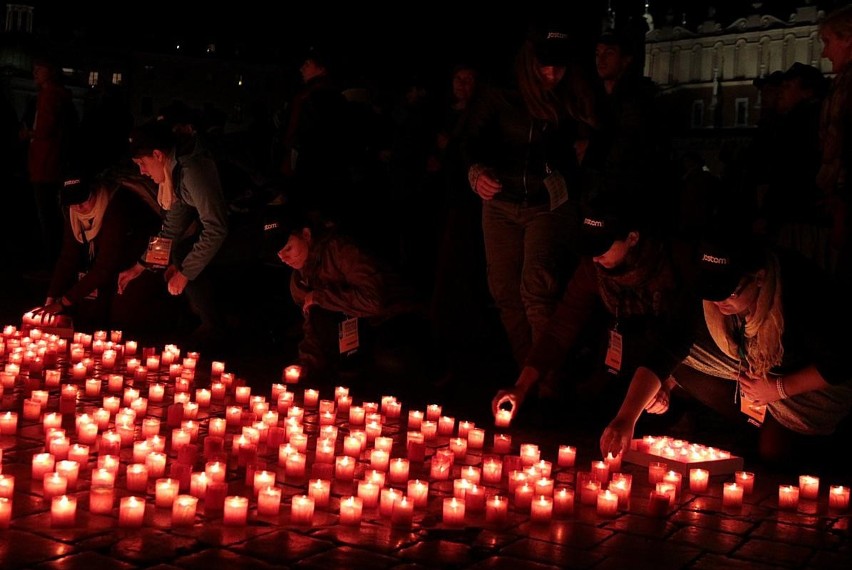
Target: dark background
(365,35)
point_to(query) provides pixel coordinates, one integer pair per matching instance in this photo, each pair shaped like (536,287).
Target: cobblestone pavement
(697,531)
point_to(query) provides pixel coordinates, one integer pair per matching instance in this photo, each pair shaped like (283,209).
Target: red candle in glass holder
(732,495)
(183,510)
(302,510)
(235,510)
(351,510)
(269,501)
(63,511)
(453,512)
(131,512)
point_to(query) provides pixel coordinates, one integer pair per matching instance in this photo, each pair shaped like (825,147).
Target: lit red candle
(496,510)
(399,468)
(42,463)
(302,510)
(656,471)
(808,487)
(453,512)
(7,486)
(699,480)
(732,495)
(503,418)
(368,492)
(101,500)
(746,479)
(838,497)
(235,510)
(165,491)
(269,501)
(523,496)
(475,438)
(418,492)
(379,459)
(658,503)
(63,511)
(320,491)
(589,492)
(492,470)
(5,512)
(344,468)
(502,443)
(183,510)
(351,509)
(131,512)
(292,374)
(788,497)
(563,502)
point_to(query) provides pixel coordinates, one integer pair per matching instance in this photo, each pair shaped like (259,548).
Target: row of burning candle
(733,492)
(457,444)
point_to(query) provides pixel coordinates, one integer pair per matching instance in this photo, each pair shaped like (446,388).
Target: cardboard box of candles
(681,455)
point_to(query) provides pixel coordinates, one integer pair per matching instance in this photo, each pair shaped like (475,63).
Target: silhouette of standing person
(49,153)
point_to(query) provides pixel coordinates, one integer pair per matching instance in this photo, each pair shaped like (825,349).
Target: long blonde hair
(763,329)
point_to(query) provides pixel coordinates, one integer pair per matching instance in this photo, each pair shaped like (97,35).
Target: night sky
(365,37)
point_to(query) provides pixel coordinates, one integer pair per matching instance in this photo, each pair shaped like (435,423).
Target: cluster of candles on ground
(677,458)
(128,429)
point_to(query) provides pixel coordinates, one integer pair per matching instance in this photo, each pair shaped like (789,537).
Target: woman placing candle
(771,326)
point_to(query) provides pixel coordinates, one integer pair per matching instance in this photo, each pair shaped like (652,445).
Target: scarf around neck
(86,227)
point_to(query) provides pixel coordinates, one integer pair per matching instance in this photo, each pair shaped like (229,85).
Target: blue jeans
(529,259)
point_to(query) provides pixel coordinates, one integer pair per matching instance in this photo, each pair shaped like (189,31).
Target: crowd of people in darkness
(546,213)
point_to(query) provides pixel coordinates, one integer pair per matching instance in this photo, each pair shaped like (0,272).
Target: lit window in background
(93,78)
(116,78)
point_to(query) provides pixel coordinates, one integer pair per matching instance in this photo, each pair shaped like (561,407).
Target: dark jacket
(345,278)
(122,239)
(642,309)
(503,136)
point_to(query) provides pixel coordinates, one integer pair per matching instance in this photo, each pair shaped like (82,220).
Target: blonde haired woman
(768,346)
